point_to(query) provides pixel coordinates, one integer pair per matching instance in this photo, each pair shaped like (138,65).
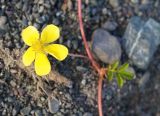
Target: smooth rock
(88,114)
(114,3)
(135,1)
(105,46)
(144,80)
(53,105)
(3,20)
(3,27)
(25,111)
(38,113)
(141,40)
(110,25)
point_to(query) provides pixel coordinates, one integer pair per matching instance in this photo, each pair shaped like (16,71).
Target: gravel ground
(19,94)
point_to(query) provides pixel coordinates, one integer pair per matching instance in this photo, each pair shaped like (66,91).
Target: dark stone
(105,46)
(141,40)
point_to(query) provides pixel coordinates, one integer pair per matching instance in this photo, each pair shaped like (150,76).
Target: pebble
(75,44)
(110,25)
(135,1)
(15,110)
(138,41)
(81,69)
(88,114)
(3,20)
(3,27)
(83,82)
(105,46)
(53,105)
(13,84)
(25,111)
(38,113)
(114,3)
(41,8)
(143,81)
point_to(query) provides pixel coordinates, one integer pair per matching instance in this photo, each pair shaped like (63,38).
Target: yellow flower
(40,47)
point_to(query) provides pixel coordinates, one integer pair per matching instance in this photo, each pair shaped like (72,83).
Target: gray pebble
(105,46)
(83,82)
(114,3)
(53,105)
(87,114)
(41,8)
(110,25)
(138,41)
(143,81)
(104,11)
(75,44)
(135,1)
(38,113)
(12,83)
(25,111)
(3,20)
(3,26)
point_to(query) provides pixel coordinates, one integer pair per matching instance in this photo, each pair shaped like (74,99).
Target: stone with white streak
(141,40)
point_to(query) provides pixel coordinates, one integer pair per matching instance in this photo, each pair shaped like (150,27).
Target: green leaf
(123,67)
(126,75)
(120,80)
(110,76)
(115,65)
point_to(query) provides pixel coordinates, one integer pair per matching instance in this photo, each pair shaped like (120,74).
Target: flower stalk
(101,71)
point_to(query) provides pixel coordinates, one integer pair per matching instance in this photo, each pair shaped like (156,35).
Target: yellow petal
(58,51)
(42,64)
(50,33)
(28,56)
(30,35)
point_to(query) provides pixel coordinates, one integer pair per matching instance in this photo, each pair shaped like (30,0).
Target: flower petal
(30,35)
(28,56)
(58,51)
(42,64)
(50,33)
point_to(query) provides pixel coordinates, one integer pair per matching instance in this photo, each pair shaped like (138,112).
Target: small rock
(38,113)
(13,84)
(141,40)
(41,8)
(15,110)
(114,3)
(131,69)
(3,20)
(81,69)
(88,114)
(110,25)
(104,11)
(3,27)
(75,44)
(143,81)
(83,82)
(53,105)
(135,1)
(105,46)
(25,111)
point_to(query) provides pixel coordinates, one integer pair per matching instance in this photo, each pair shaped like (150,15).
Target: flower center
(37,46)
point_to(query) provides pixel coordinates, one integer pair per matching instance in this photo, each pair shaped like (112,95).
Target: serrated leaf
(115,65)
(120,80)
(123,67)
(126,75)
(110,75)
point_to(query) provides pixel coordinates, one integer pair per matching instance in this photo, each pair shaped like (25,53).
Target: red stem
(100,96)
(100,71)
(95,65)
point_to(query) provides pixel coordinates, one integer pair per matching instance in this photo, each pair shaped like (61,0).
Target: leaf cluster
(121,73)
